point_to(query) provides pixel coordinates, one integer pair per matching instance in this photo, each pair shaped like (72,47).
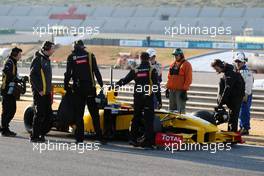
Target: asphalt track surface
(20,157)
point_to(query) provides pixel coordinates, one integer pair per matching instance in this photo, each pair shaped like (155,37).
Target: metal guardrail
(201,97)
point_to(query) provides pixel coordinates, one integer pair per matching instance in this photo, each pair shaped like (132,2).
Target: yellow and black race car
(115,118)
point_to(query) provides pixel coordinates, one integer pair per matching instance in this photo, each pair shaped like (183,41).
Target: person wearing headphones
(40,79)
(231,91)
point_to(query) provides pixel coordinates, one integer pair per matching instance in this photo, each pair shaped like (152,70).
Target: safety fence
(191,44)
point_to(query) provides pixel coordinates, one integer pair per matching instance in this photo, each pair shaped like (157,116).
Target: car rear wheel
(28,118)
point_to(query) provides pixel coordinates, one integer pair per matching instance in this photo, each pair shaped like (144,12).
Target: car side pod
(168,140)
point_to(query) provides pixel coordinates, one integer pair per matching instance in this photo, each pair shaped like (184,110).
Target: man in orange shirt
(179,81)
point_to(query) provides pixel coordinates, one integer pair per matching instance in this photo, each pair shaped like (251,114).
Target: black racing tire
(28,118)
(205,115)
(157,127)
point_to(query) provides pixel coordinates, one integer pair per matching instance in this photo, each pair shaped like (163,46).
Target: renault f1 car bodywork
(115,119)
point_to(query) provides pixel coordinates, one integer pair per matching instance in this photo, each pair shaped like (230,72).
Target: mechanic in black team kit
(40,79)
(146,84)
(7,91)
(81,68)
(231,91)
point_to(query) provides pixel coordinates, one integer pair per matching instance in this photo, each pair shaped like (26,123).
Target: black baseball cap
(177,51)
(79,43)
(144,56)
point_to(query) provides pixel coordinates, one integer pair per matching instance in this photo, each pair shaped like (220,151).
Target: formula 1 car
(169,127)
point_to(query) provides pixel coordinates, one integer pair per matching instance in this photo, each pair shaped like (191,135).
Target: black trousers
(8,110)
(234,110)
(43,115)
(109,123)
(80,101)
(143,104)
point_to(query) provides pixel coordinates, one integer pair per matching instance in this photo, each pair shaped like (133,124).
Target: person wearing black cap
(9,79)
(179,82)
(231,91)
(40,79)
(81,68)
(146,84)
